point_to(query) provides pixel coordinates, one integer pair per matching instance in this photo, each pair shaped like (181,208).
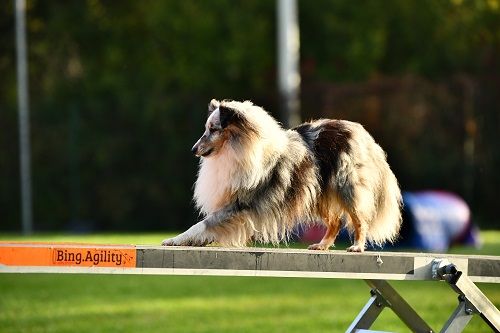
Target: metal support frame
(471,301)
(369,313)
(384,295)
(460,317)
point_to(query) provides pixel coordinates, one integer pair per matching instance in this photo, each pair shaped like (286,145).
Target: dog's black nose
(194,149)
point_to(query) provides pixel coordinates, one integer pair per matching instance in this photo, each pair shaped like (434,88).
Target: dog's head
(223,123)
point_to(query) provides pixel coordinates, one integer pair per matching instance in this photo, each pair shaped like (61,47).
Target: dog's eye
(212,130)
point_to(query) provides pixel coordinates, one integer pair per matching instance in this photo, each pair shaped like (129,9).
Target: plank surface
(131,259)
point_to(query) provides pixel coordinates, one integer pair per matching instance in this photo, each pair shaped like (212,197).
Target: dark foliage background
(119,93)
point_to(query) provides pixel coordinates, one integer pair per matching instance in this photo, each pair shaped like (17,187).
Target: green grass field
(107,303)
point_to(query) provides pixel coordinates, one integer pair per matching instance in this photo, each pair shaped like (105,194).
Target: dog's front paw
(356,248)
(183,241)
(318,247)
(170,242)
(179,240)
(194,236)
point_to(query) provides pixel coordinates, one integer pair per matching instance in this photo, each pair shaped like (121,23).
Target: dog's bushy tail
(387,222)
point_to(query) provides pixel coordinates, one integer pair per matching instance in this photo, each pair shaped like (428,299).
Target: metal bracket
(442,269)
(471,301)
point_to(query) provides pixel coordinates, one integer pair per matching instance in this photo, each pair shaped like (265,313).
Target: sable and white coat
(257,181)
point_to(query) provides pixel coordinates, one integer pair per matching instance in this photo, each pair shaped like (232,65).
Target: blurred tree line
(119,93)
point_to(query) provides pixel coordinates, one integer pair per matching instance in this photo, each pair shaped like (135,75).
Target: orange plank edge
(67,254)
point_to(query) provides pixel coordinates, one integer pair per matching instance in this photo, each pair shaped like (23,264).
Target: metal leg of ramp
(471,301)
(384,295)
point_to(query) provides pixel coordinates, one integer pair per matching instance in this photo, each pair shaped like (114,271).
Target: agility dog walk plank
(459,271)
(18,257)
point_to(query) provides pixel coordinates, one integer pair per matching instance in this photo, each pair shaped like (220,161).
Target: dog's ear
(227,115)
(213,105)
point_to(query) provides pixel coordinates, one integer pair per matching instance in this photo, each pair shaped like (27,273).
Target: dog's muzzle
(201,151)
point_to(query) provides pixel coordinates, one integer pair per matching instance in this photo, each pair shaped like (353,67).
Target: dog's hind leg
(361,212)
(360,231)
(332,230)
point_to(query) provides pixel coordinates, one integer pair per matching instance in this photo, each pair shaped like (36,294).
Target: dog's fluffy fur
(257,181)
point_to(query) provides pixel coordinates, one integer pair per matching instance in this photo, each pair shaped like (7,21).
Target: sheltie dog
(257,181)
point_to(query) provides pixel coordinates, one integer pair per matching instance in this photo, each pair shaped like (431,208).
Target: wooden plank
(266,260)
(129,259)
(484,266)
